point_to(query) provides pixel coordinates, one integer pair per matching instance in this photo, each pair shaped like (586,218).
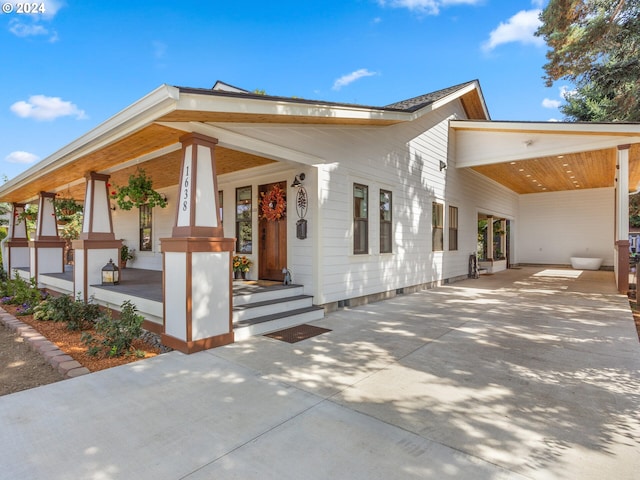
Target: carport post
(621,251)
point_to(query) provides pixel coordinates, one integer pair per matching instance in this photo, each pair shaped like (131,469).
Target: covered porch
(257,305)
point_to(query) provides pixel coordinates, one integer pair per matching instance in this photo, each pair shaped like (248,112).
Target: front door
(272,230)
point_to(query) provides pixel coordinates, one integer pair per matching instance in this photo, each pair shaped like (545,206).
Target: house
(358,203)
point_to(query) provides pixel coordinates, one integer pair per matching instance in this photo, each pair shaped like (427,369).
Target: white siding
(406,160)
(552,227)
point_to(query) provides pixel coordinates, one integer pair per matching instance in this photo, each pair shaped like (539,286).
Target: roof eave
(157,103)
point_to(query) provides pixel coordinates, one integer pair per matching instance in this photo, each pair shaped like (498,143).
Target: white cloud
(29,24)
(41,107)
(352,77)
(553,120)
(520,28)
(430,7)
(548,103)
(538,3)
(21,157)
(566,92)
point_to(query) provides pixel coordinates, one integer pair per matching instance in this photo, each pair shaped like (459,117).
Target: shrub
(117,334)
(20,292)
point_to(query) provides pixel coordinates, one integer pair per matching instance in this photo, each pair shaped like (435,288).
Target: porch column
(197,283)
(97,243)
(621,250)
(17,242)
(47,250)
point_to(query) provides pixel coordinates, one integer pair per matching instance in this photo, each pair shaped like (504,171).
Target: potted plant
(241,265)
(126,253)
(66,209)
(137,192)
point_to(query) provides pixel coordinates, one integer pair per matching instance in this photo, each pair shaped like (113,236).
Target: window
(243,220)
(360,219)
(146,234)
(220,197)
(385,221)
(453,228)
(437,220)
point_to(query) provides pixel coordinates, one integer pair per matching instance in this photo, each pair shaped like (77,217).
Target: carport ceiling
(576,171)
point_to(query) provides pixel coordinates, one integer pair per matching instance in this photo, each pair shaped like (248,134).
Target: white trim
(159,102)
(243,143)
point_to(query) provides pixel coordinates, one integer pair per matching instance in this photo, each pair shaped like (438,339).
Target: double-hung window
(386,225)
(437,227)
(146,231)
(360,219)
(453,228)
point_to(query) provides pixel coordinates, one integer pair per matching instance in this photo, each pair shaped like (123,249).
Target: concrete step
(246,294)
(269,307)
(278,321)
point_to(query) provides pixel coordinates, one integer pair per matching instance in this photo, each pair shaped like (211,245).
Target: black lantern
(110,274)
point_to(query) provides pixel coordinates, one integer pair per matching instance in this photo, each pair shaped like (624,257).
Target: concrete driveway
(530,373)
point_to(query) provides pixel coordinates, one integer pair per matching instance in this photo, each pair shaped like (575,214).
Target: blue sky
(70,68)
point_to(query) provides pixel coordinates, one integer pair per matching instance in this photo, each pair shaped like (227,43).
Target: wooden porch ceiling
(164,170)
(576,171)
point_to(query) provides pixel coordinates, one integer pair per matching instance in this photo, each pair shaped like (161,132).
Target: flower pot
(236,275)
(244,275)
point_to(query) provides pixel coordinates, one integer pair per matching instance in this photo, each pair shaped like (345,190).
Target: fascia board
(159,102)
(252,106)
(549,127)
(236,141)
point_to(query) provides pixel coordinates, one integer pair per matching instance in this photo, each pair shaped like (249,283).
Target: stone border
(63,363)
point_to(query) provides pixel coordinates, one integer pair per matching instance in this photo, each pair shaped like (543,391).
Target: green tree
(595,44)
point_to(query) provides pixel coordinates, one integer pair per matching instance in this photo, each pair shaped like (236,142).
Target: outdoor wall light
(110,274)
(297,182)
(442,165)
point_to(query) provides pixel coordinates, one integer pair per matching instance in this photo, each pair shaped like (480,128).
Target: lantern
(110,274)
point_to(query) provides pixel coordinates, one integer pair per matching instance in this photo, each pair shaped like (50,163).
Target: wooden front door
(272,230)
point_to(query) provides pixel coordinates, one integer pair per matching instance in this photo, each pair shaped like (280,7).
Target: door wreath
(273,205)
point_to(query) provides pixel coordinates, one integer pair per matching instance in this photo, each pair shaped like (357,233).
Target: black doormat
(297,333)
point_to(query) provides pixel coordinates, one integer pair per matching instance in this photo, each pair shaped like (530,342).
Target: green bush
(117,334)
(19,292)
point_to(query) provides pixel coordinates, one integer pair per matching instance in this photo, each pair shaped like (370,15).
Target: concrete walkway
(529,373)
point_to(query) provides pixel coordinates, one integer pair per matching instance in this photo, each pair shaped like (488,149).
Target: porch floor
(147,284)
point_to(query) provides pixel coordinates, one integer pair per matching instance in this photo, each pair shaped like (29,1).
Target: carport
(544,157)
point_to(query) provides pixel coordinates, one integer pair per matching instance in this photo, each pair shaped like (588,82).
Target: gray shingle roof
(416,103)
(410,105)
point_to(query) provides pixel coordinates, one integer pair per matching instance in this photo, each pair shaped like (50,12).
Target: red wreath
(274,204)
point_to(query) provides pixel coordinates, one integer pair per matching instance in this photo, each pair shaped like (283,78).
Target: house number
(185,200)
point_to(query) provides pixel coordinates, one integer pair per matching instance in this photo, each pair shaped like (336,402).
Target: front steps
(263,309)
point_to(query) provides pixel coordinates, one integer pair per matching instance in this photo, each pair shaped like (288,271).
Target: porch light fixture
(110,274)
(442,165)
(297,182)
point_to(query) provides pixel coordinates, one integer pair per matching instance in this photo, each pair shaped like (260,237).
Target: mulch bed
(69,342)
(297,333)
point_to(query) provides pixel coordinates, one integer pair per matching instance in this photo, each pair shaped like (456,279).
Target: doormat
(297,333)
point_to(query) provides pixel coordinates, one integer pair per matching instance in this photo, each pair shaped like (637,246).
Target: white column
(17,243)
(621,251)
(197,259)
(47,249)
(97,243)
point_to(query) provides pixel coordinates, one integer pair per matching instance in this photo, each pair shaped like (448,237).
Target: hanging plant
(28,214)
(66,208)
(273,205)
(138,192)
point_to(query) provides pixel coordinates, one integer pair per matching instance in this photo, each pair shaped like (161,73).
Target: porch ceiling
(121,159)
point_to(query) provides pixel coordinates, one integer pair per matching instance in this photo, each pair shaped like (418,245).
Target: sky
(70,65)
